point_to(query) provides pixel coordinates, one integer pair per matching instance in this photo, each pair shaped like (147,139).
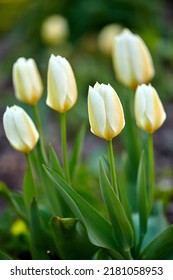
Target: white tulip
(105,111)
(131,59)
(62,89)
(20,129)
(149,111)
(27,81)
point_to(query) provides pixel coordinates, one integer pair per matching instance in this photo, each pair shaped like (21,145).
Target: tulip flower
(20,129)
(27,81)
(62,89)
(131,59)
(106,37)
(149,111)
(106,115)
(55,30)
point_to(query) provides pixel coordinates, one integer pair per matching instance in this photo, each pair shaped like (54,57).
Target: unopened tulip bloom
(62,89)
(27,81)
(19,129)
(106,37)
(149,111)
(131,59)
(106,114)
(55,30)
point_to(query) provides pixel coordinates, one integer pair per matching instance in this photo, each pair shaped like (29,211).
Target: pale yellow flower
(149,111)
(20,129)
(55,30)
(131,59)
(106,37)
(62,89)
(105,111)
(27,81)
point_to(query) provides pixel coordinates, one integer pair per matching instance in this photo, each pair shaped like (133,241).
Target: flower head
(105,111)
(20,129)
(62,89)
(27,81)
(149,111)
(131,59)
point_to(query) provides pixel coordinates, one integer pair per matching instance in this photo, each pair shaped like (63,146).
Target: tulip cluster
(88,229)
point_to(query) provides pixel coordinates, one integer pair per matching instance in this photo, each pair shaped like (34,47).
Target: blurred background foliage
(20,35)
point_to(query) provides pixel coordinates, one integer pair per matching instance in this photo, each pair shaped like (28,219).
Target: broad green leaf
(123,232)
(76,152)
(98,228)
(142,195)
(124,201)
(71,239)
(4,256)
(101,255)
(40,239)
(54,161)
(160,247)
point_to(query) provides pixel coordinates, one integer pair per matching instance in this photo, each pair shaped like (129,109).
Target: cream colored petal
(121,60)
(71,84)
(147,69)
(35,77)
(57,85)
(21,80)
(114,112)
(159,114)
(96,111)
(140,106)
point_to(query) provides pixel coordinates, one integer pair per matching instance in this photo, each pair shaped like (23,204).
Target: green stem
(151,169)
(29,163)
(41,137)
(112,167)
(64,146)
(139,246)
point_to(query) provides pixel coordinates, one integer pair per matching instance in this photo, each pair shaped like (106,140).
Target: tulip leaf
(4,256)
(98,228)
(40,240)
(54,161)
(142,195)
(161,247)
(124,201)
(122,229)
(15,199)
(76,152)
(101,255)
(71,239)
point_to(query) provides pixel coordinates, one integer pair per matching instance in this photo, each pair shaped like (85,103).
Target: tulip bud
(62,90)
(105,111)
(19,129)
(106,37)
(55,30)
(131,58)
(27,81)
(149,111)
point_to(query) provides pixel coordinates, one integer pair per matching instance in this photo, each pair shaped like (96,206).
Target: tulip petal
(122,61)
(62,89)
(96,111)
(21,80)
(114,112)
(57,85)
